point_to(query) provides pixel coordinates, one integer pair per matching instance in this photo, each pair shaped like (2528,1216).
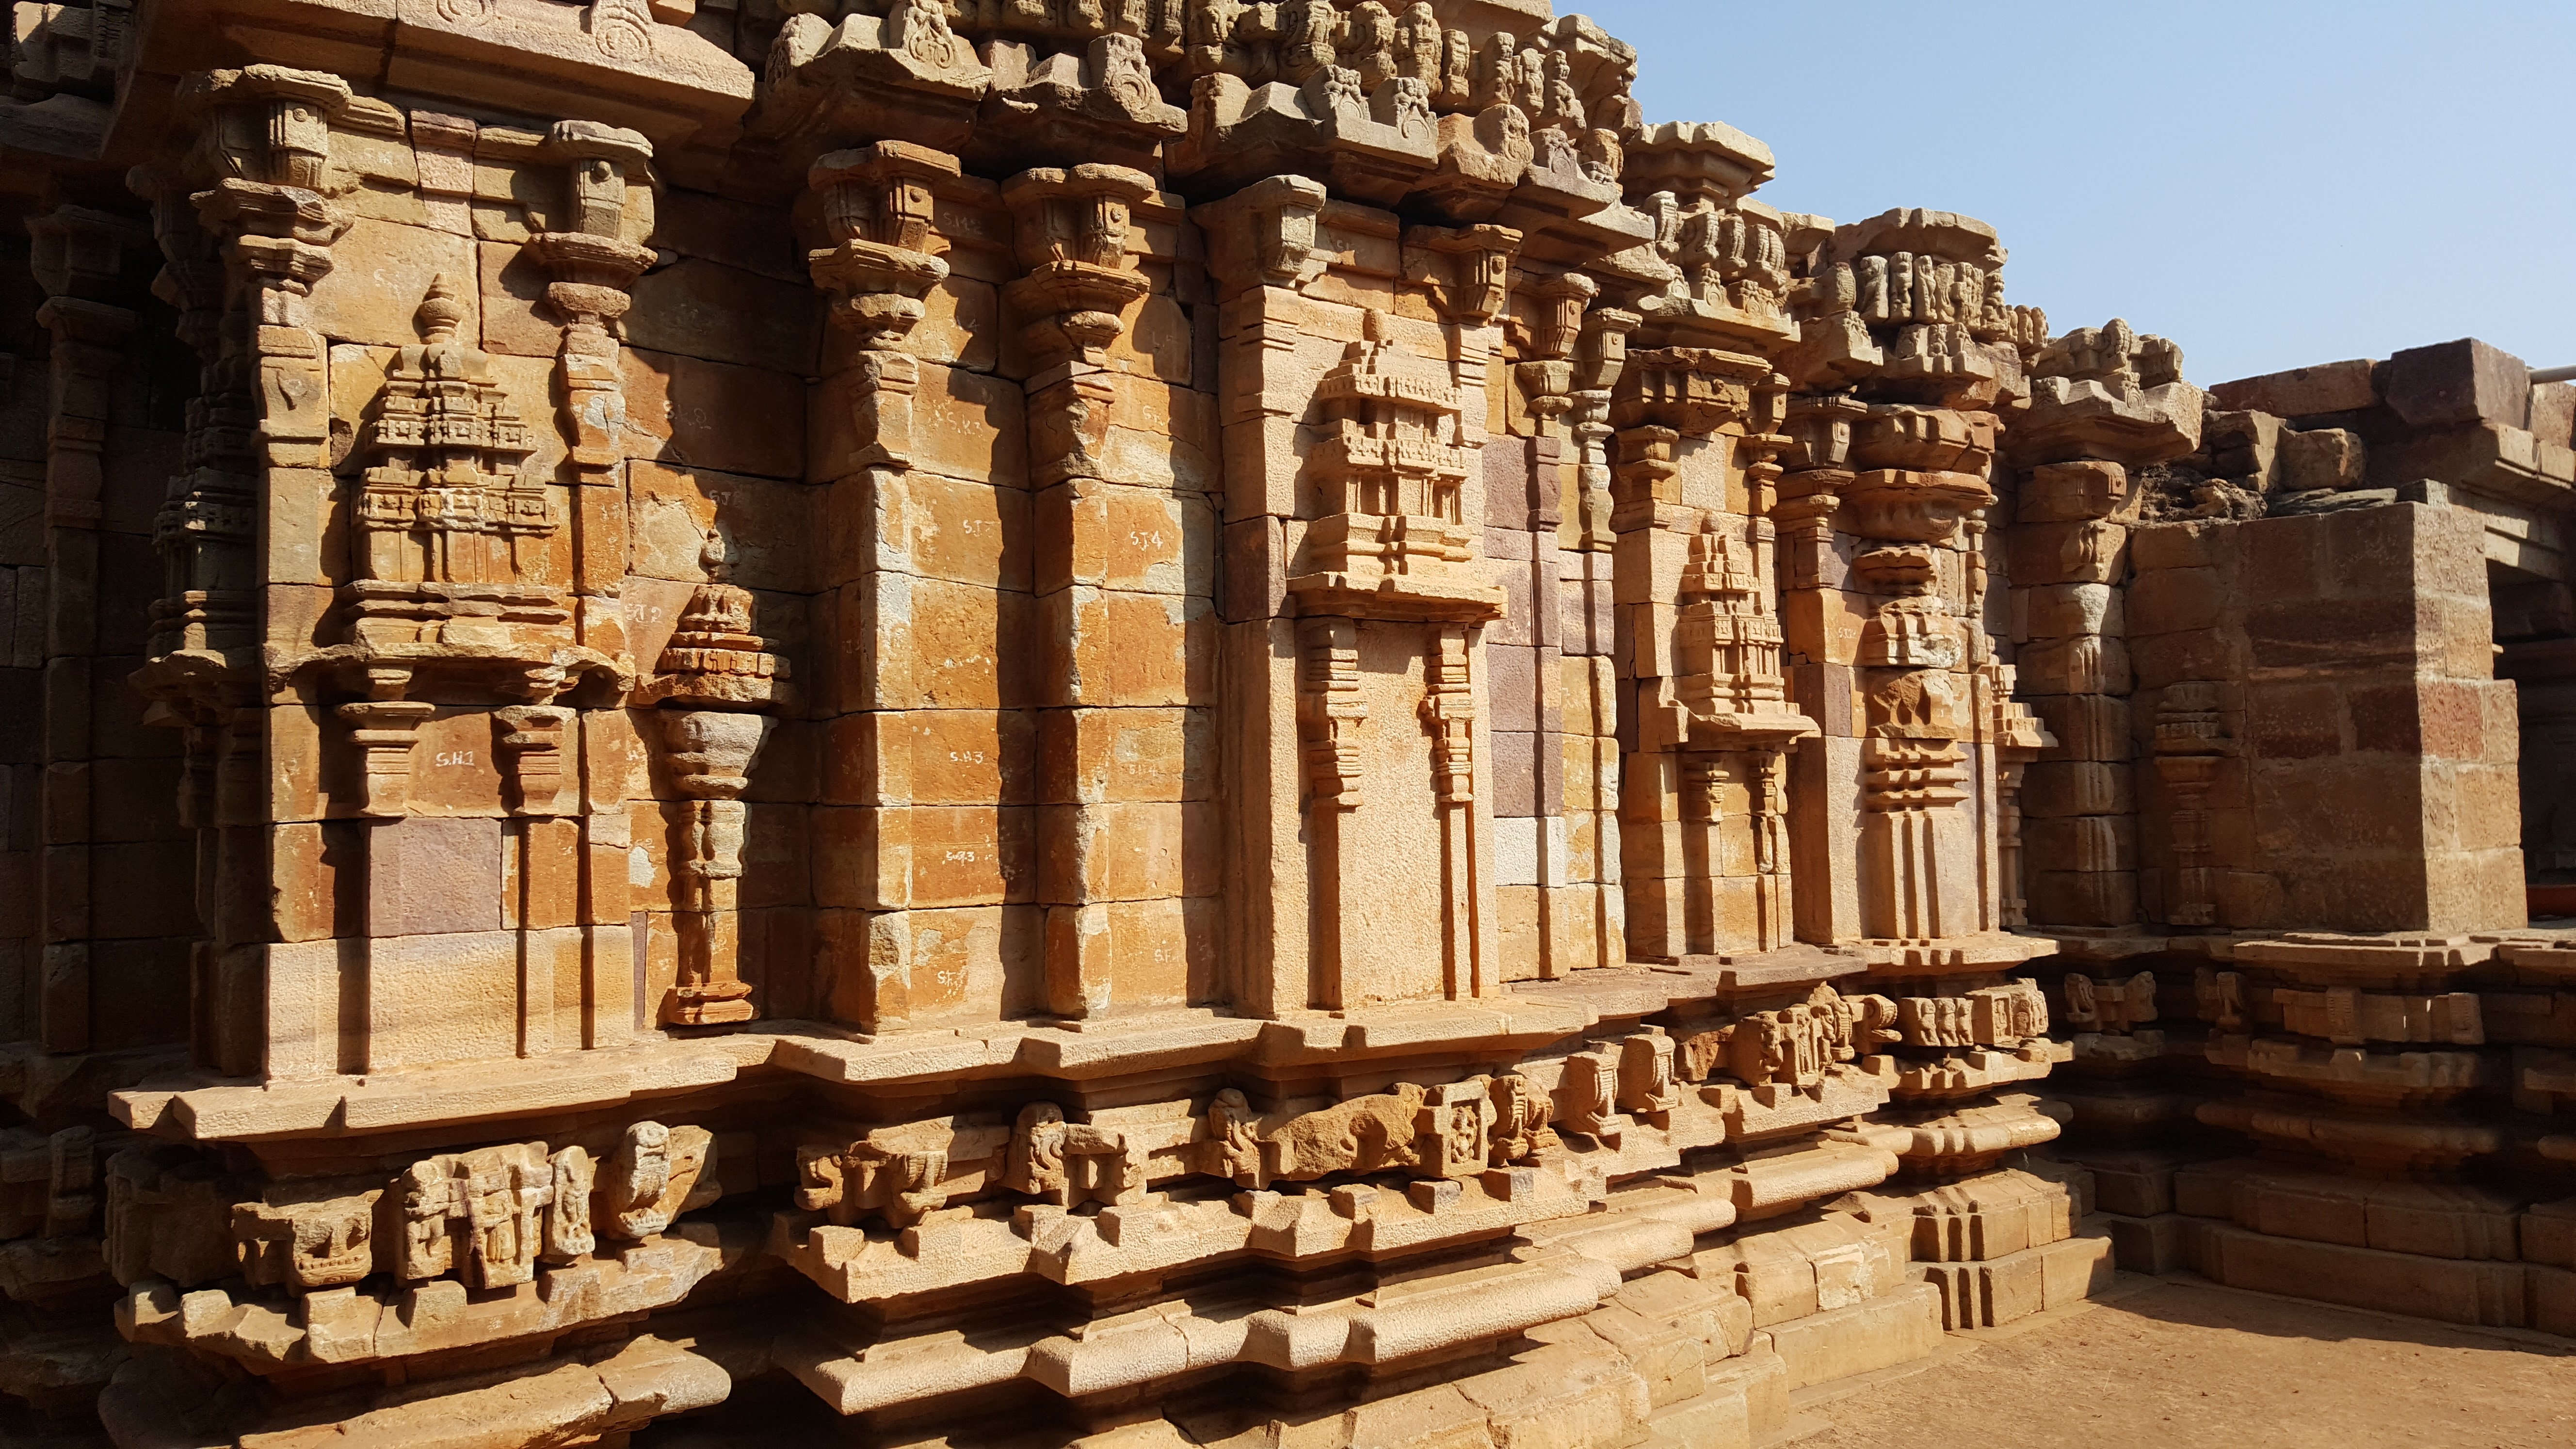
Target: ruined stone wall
(1143,721)
(2324,609)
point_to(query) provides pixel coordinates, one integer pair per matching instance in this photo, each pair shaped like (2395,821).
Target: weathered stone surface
(2466,381)
(2301,392)
(998,652)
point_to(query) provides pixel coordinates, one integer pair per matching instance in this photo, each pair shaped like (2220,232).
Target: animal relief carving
(658,1174)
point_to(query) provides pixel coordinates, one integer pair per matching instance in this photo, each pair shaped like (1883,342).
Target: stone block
(701,308)
(895,858)
(2490,1294)
(2076,1268)
(429,876)
(1511,673)
(2144,1244)
(516,318)
(1519,940)
(1990,1216)
(2182,544)
(2074,492)
(2085,664)
(1138,953)
(1509,478)
(2082,844)
(1255,577)
(436,999)
(1522,581)
(2095,552)
(2325,458)
(1515,773)
(1095,755)
(1125,851)
(2466,381)
(770,526)
(965,425)
(2553,413)
(2330,387)
(541,867)
(2548,1233)
(2075,787)
(1717,1419)
(380,273)
(1139,540)
(1898,1327)
(2085,726)
(1560,1397)
(1438,1417)
(1670,1358)
(2553,1300)
(2245,447)
(1110,647)
(914,643)
(1586,695)
(929,757)
(2175,600)
(1989,1294)
(2067,611)
(1587,596)
(720,229)
(975,963)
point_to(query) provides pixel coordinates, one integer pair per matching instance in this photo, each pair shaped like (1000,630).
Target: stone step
(2154,1243)
(1879,1333)
(2486,1293)
(2003,1290)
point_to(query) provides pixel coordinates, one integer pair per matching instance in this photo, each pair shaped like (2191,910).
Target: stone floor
(2179,1364)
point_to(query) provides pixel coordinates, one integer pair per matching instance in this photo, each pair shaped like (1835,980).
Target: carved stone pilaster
(1329,707)
(1069,230)
(876,205)
(714,677)
(592,266)
(1552,328)
(78,257)
(1449,713)
(383,727)
(2190,741)
(1331,713)
(2018,738)
(529,740)
(1601,356)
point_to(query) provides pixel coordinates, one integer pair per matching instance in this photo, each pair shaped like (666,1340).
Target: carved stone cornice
(1695,391)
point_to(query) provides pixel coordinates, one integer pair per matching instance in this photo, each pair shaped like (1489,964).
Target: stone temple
(1186,723)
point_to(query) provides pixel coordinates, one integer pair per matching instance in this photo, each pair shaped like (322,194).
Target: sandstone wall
(1148,721)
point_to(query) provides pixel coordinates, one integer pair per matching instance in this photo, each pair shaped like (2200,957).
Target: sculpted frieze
(2114,1007)
(1066,1164)
(1792,1046)
(302,1241)
(491,1217)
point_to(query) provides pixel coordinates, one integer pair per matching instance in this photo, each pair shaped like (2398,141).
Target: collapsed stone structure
(1163,721)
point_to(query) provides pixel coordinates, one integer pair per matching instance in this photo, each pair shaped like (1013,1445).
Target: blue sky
(2268,184)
